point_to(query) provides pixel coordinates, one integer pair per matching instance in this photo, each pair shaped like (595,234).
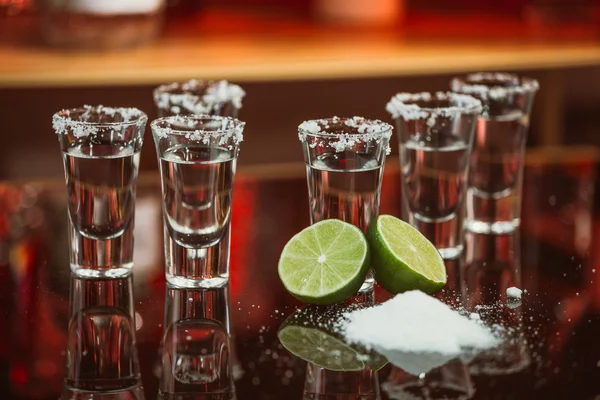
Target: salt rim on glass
(332,130)
(88,120)
(495,86)
(402,105)
(223,129)
(197,96)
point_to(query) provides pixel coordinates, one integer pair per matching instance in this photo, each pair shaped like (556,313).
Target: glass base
(444,233)
(133,393)
(85,272)
(451,253)
(498,227)
(202,268)
(101,258)
(210,283)
(196,396)
(368,283)
(489,213)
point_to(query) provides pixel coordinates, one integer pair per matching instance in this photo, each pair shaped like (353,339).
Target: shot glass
(196,349)
(435,137)
(102,357)
(496,174)
(199,97)
(101,152)
(344,167)
(197,157)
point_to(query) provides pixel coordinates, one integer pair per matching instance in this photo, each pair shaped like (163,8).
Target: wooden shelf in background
(298,53)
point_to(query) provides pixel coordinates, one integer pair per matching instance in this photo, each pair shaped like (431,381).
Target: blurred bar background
(297,59)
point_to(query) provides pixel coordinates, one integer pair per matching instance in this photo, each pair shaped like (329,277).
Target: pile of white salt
(417,332)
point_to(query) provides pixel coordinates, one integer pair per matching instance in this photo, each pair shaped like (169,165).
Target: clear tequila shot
(344,166)
(496,172)
(101,151)
(197,158)
(435,137)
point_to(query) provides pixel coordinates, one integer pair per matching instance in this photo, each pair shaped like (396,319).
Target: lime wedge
(403,259)
(309,334)
(325,263)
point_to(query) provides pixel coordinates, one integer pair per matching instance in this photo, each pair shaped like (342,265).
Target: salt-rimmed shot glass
(496,174)
(199,97)
(101,152)
(197,156)
(344,167)
(435,137)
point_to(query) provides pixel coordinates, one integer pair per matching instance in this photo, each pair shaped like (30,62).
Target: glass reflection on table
(493,265)
(196,349)
(102,358)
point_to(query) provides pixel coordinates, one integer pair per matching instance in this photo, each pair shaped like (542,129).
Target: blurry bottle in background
(14,7)
(360,12)
(100,24)
(183,8)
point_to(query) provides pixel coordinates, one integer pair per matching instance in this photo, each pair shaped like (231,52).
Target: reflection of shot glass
(196,352)
(197,156)
(435,136)
(449,381)
(344,165)
(492,265)
(198,97)
(321,383)
(496,174)
(101,152)
(102,359)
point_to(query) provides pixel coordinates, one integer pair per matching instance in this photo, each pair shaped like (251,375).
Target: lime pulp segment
(411,247)
(325,263)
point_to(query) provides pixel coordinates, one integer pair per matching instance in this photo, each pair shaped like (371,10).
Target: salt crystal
(474,316)
(333,132)
(417,332)
(404,105)
(478,84)
(514,292)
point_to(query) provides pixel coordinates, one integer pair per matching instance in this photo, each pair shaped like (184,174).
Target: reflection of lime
(320,348)
(403,259)
(308,334)
(325,263)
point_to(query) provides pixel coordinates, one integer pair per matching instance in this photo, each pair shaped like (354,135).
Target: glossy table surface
(556,353)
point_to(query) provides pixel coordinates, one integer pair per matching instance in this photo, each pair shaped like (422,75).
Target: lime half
(325,263)
(403,259)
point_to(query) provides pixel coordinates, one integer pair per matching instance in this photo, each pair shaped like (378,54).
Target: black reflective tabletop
(58,334)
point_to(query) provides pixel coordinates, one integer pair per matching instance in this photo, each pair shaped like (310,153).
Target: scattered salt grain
(514,292)
(474,316)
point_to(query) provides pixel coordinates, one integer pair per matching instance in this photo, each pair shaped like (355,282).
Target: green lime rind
(321,346)
(325,263)
(403,259)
